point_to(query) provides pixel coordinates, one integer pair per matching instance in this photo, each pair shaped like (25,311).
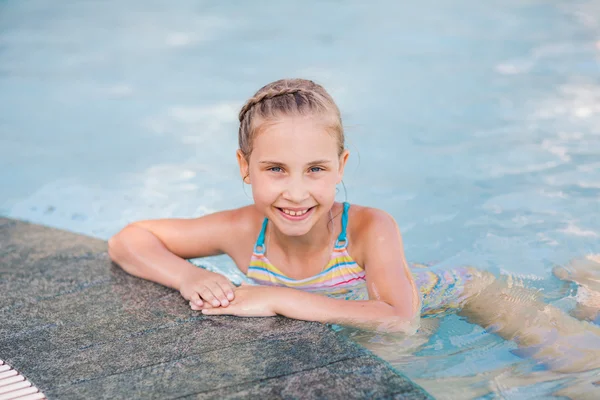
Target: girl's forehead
(298,137)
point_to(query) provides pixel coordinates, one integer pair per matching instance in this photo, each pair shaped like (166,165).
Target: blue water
(475,124)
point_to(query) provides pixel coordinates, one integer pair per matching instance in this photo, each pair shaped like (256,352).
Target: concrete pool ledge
(77,326)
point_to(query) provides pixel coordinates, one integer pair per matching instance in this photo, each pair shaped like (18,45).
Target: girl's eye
(275,169)
(316,169)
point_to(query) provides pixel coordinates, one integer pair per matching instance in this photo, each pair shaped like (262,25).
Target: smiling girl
(321,253)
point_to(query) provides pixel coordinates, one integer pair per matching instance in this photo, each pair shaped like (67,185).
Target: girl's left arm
(393,305)
(371,315)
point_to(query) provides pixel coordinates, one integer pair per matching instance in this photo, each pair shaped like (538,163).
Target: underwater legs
(543,332)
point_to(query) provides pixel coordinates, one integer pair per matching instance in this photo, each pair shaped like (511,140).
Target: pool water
(475,124)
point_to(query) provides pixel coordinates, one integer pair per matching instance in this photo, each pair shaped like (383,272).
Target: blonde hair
(288,97)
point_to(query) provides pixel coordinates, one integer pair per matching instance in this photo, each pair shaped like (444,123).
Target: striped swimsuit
(342,277)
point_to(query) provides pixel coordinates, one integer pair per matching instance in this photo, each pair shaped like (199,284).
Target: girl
(293,155)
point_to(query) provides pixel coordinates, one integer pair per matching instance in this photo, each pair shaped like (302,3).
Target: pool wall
(78,326)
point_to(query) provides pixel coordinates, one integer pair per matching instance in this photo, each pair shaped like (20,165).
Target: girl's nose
(296,191)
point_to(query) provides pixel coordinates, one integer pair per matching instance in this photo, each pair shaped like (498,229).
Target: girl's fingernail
(230,296)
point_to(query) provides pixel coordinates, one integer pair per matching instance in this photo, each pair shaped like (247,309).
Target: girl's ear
(343,160)
(244,167)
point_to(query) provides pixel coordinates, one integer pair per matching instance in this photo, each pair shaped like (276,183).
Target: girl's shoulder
(244,227)
(366,227)
(241,223)
(363,219)
(248,219)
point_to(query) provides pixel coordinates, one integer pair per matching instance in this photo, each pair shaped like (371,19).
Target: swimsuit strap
(342,240)
(259,247)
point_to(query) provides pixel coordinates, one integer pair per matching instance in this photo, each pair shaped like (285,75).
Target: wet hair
(288,97)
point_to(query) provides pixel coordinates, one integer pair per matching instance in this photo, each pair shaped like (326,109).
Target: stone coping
(78,326)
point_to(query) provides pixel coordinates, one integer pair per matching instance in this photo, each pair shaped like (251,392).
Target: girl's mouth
(295,215)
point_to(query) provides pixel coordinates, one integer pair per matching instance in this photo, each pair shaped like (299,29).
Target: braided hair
(288,97)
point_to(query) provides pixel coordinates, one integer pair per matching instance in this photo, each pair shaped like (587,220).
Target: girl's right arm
(156,250)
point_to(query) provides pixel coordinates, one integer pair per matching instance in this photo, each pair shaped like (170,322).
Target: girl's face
(294,168)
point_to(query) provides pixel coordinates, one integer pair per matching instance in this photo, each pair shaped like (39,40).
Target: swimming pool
(476,125)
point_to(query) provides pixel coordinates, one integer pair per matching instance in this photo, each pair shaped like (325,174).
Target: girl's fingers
(219,294)
(208,296)
(229,291)
(195,307)
(195,299)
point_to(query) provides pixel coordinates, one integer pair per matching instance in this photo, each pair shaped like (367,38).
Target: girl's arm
(393,305)
(372,315)
(156,250)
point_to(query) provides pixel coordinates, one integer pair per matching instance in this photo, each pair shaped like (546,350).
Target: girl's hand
(250,301)
(202,287)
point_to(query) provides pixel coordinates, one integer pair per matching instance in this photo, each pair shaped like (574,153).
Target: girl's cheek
(266,188)
(325,185)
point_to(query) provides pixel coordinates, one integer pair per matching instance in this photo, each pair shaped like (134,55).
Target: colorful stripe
(341,274)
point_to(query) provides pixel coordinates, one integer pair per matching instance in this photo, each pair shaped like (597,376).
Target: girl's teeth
(294,213)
